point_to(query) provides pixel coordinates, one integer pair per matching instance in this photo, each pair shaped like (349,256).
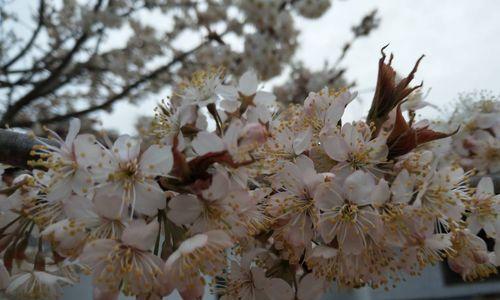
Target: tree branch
(124,92)
(45,86)
(16,147)
(34,35)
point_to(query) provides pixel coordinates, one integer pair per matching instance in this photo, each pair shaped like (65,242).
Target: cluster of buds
(265,203)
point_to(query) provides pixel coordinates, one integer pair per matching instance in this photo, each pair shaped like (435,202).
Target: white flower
(200,254)
(472,260)
(238,140)
(484,209)
(132,174)
(443,192)
(69,162)
(294,207)
(353,149)
(127,262)
(245,95)
(247,282)
(36,285)
(200,90)
(324,110)
(217,207)
(347,214)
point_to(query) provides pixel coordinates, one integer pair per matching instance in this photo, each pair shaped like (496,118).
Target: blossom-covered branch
(263,202)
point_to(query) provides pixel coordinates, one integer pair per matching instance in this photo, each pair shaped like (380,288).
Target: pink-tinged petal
(358,186)
(78,207)
(485,186)
(186,114)
(60,189)
(126,148)
(264,98)
(335,147)
(302,141)
(82,182)
(230,106)
(95,251)
(311,287)
(334,114)
(291,179)
(108,205)
(327,196)
(473,224)
(438,241)
(350,241)
(193,291)
(402,187)
(218,188)
(381,194)
(278,289)
(86,150)
(184,209)
(156,160)
(227,92)
(74,128)
(378,148)
(149,198)
(140,235)
(248,83)
(102,294)
(206,142)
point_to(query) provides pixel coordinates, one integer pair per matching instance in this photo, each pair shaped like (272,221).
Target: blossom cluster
(477,145)
(265,203)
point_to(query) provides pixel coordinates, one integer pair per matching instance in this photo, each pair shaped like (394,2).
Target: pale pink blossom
(353,149)
(127,261)
(484,209)
(347,212)
(127,171)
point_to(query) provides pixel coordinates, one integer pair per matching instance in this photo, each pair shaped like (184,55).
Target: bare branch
(30,41)
(16,147)
(124,92)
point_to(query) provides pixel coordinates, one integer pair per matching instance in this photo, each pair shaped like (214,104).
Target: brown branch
(34,35)
(46,86)
(124,92)
(16,147)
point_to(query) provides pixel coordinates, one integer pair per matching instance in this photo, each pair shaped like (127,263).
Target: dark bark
(15,148)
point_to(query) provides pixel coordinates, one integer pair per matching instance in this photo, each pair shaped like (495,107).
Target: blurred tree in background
(80,57)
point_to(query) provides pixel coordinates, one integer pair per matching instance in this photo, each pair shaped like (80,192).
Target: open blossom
(126,261)
(200,90)
(200,254)
(246,94)
(238,140)
(293,208)
(443,192)
(472,260)
(215,208)
(347,214)
(87,219)
(484,209)
(353,149)
(323,110)
(70,161)
(127,171)
(247,281)
(36,285)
